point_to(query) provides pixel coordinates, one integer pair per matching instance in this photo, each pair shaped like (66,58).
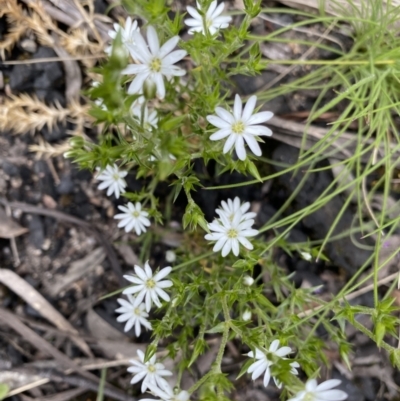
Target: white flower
(133,218)
(306,256)
(149,286)
(246,315)
(113,179)
(229,233)
(248,280)
(153,62)
(167,394)
(231,207)
(150,371)
(126,33)
(320,392)
(240,126)
(263,364)
(170,256)
(148,119)
(133,315)
(212,20)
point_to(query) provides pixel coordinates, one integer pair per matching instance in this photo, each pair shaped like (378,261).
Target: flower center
(135,214)
(238,127)
(232,233)
(308,397)
(136,311)
(115,177)
(151,368)
(155,65)
(150,283)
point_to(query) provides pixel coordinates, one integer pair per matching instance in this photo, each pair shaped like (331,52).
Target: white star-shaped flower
(133,218)
(320,392)
(126,33)
(211,22)
(148,119)
(167,394)
(228,234)
(231,207)
(240,127)
(153,62)
(133,315)
(263,364)
(113,179)
(151,372)
(149,287)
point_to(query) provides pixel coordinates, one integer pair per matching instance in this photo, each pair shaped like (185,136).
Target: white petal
(267,377)
(137,84)
(274,346)
(168,46)
(258,130)
(159,81)
(147,269)
(245,242)
(332,395)
(219,244)
(237,108)
(211,9)
(193,12)
(162,273)
(152,39)
(235,247)
(328,384)
(227,248)
(229,143)
(174,57)
(239,147)
(220,134)
(249,108)
(218,122)
(261,117)
(225,115)
(283,351)
(162,294)
(253,144)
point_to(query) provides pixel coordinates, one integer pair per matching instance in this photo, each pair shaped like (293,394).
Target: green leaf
(4,388)
(219,328)
(199,348)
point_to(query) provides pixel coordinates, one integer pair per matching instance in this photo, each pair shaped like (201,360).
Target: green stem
(216,368)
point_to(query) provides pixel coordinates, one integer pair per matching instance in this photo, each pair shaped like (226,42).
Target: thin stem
(216,368)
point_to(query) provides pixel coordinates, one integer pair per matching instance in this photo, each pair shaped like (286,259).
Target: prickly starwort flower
(113,179)
(151,372)
(133,315)
(153,62)
(149,287)
(320,392)
(240,127)
(263,364)
(211,22)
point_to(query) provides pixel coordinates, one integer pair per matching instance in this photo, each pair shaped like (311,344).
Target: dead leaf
(39,303)
(76,271)
(8,227)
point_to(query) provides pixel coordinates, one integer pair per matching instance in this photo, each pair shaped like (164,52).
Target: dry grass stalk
(45,150)
(24,113)
(16,19)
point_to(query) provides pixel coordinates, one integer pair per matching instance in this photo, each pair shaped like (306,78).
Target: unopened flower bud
(247,280)
(306,256)
(149,89)
(170,256)
(246,315)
